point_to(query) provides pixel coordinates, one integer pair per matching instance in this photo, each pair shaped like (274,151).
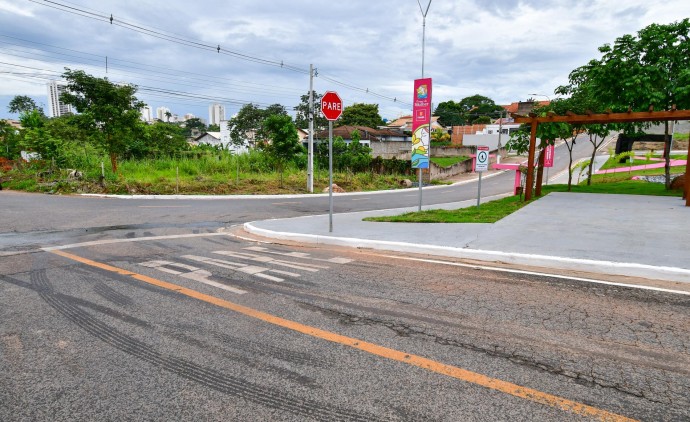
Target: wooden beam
(640,116)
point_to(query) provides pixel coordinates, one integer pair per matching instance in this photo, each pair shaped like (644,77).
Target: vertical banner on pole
(549,155)
(421,123)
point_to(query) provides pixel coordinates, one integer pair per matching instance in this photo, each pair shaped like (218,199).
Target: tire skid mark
(261,395)
(272,351)
(254,363)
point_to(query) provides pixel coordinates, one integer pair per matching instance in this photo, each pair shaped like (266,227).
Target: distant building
(56,107)
(188,116)
(226,141)
(216,113)
(146,113)
(404,124)
(161,113)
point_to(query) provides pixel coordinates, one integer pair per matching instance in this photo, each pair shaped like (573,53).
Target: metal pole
(500,131)
(330,176)
(424,13)
(479,188)
(310,163)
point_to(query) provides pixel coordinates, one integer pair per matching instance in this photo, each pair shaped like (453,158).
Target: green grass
(489,212)
(447,161)
(493,211)
(205,174)
(612,163)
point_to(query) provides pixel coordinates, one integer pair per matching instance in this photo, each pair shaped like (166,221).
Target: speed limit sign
(481,162)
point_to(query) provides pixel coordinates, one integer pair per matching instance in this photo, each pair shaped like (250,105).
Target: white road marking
(285,203)
(136,239)
(359,199)
(559,276)
(247,269)
(258,258)
(164,206)
(193,273)
(301,255)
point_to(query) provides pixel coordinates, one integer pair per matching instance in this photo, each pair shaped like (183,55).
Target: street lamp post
(424,13)
(542,95)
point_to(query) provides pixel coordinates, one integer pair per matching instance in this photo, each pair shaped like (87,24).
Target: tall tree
(476,106)
(302,113)
(450,113)
(283,143)
(360,114)
(111,110)
(23,104)
(248,125)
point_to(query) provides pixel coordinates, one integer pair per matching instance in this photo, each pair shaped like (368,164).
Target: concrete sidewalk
(629,235)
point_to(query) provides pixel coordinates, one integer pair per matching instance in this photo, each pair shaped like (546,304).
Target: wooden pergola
(629,117)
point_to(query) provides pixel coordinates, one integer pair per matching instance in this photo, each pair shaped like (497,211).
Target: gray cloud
(498,48)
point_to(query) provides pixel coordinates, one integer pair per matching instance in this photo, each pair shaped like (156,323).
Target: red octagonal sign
(331,105)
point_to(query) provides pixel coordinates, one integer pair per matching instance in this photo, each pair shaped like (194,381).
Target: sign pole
(479,188)
(330,176)
(332,108)
(481,164)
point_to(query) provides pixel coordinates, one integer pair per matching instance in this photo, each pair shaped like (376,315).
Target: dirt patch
(659,146)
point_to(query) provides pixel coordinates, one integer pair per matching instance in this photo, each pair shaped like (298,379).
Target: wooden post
(687,177)
(540,173)
(530,160)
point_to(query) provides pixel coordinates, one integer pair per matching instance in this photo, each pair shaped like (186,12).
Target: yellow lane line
(392,354)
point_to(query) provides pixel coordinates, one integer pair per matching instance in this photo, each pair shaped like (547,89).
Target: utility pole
(310,158)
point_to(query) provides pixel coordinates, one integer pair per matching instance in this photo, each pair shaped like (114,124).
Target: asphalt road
(216,327)
(168,313)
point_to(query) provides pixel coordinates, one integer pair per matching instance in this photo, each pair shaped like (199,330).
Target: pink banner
(549,152)
(421,123)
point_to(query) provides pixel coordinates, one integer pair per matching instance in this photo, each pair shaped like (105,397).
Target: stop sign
(331,105)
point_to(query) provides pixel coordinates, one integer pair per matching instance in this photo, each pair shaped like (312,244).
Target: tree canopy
(283,143)
(105,108)
(360,114)
(468,110)
(651,68)
(23,104)
(248,124)
(302,113)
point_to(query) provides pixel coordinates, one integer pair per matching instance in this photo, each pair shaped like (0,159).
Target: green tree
(37,139)
(358,155)
(164,140)
(649,68)
(360,114)
(475,106)
(23,104)
(111,110)
(213,128)
(283,143)
(9,140)
(194,123)
(246,124)
(168,115)
(302,113)
(450,113)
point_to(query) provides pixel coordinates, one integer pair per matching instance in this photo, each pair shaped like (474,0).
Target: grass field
(447,161)
(493,211)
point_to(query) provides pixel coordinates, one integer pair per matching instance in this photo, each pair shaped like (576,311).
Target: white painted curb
(588,265)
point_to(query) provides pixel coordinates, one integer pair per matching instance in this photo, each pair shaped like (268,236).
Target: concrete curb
(291,196)
(575,264)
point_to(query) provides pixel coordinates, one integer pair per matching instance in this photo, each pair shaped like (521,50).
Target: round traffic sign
(331,105)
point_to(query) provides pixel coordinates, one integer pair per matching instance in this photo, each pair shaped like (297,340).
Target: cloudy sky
(367,50)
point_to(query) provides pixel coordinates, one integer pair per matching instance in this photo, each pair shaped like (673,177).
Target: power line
(179,39)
